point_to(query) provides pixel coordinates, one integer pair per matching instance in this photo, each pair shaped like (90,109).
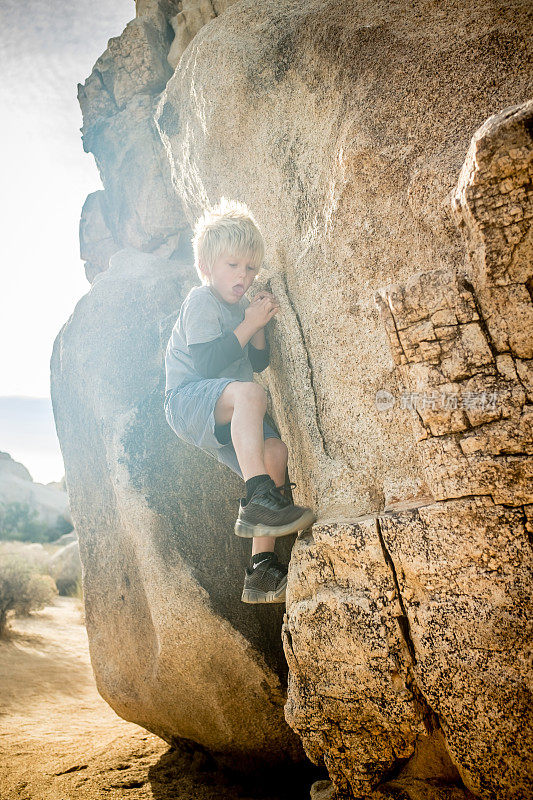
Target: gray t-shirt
(202,318)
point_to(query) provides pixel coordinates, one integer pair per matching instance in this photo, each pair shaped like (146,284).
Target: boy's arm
(259,348)
(210,358)
(211,348)
(259,351)
(259,339)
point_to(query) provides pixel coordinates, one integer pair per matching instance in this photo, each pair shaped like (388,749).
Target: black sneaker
(287,490)
(269,513)
(266,582)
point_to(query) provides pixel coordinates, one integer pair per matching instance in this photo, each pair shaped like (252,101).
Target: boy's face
(231,276)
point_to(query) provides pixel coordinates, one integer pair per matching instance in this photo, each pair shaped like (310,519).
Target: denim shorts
(190,412)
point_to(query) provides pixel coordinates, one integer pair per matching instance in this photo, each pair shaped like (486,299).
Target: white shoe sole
(257,596)
(248,531)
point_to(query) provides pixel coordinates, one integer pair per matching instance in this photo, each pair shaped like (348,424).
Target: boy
(211,400)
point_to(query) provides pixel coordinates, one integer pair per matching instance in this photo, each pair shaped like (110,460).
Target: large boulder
(346,133)
(385,151)
(188,21)
(172,646)
(138,206)
(96,240)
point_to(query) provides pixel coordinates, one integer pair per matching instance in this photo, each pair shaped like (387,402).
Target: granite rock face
(193,15)
(463,343)
(97,244)
(117,103)
(346,134)
(385,151)
(162,569)
(138,206)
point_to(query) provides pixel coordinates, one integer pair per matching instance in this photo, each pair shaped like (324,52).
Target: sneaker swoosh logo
(264,561)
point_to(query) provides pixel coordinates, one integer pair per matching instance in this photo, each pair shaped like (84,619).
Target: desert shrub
(22,588)
(61,527)
(76,590)
(19,521)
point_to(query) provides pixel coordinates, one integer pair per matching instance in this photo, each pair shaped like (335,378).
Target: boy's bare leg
(247,429)
(245,404)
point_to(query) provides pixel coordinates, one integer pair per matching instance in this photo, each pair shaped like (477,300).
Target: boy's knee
(251,392)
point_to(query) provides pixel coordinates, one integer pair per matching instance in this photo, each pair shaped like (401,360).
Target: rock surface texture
(117,103)
(162,570)
(385,150)
(172,646)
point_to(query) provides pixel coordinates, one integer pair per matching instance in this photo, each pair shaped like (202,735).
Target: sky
(47,47)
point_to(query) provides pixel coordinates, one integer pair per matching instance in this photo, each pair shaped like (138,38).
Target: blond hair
(226,228)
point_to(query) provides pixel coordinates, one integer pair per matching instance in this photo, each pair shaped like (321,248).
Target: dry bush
(22,588)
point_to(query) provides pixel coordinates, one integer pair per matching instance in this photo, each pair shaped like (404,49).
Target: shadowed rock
(172,646)
(402,269)
(346,133)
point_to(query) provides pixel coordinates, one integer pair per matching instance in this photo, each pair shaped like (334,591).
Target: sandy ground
(59,740)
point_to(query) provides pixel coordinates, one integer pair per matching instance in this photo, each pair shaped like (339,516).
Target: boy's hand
(265,293)
(261,310)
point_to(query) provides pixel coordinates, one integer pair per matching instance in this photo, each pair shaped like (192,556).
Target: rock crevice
(386,154)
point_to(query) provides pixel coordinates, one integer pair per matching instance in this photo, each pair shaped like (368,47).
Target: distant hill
(17,486)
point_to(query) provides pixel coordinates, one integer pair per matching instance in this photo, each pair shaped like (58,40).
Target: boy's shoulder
(199,297)
(199,293)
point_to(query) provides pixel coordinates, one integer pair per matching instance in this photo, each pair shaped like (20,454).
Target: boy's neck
(219,296)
